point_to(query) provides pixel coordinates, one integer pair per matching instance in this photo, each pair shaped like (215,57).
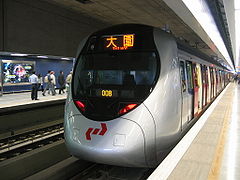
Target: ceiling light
(42,57)
(18,54)
(66,58)
(237,31)
(202,13)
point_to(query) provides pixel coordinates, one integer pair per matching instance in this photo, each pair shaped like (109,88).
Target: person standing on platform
(33,79)
(68,80)
(40,82)
(47,82)
(61,82)
(53,83)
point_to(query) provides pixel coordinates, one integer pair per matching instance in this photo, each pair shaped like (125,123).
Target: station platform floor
(24,98)
(211,148)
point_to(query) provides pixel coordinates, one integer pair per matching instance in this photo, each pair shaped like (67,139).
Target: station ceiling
(151,12)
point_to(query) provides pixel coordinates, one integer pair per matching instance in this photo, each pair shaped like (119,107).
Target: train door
(190,99)
(200,91)
(204,85)
(196,89)
(209,85)
(217,81)
(187,92)
(184,94)
(223,79)
(212,83)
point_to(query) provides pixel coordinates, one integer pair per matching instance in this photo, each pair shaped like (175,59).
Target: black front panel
(107,79)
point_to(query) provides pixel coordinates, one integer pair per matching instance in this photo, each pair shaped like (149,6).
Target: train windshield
(109,79)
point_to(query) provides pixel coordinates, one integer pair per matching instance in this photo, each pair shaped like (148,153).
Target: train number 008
(107,93)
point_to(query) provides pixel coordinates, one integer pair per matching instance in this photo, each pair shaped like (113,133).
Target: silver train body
(140,137)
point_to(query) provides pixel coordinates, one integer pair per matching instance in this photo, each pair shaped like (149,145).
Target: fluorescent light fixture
(202,13)
(42,57)
(237,4)
(66,58)
(237,30)
(18,54)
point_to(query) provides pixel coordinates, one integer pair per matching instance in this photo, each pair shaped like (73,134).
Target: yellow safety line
(217,161)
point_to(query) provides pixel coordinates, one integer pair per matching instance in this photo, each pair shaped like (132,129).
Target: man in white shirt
(33,79)
(53,83)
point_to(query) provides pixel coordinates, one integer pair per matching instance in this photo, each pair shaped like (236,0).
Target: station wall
(39,27)
(42,66)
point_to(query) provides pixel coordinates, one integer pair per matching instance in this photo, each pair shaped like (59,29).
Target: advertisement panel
(16,72)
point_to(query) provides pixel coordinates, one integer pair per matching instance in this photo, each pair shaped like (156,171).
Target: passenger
(46,83)
(40,82)
(129,80)
(53,82)
(33,79)
(68,80)
(49,84)
(61,82)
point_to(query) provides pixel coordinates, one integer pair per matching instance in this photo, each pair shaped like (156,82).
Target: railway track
(19,144)
(108,172)
(16,146)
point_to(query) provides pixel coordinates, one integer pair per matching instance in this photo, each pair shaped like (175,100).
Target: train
(135,91)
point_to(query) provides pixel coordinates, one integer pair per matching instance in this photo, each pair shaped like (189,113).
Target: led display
(119,42)
(106,93)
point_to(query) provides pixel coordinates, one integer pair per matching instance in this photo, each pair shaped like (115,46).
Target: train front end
(106,120)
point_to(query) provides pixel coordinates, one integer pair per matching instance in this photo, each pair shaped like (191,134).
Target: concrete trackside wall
(38,27)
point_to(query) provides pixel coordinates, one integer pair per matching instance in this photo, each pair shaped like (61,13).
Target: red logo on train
(95,131)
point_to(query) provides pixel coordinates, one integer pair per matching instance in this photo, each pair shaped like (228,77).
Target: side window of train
(203,71)
(195,75)
(189,76)
(183,78)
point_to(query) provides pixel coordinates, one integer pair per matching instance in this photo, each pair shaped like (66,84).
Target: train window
(189,76)
(196,76)
(206,78)
(113,79)
(115,71)
(203,70)
(183,78)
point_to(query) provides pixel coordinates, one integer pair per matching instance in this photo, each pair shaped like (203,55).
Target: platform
(18,99)
(211,149)
(20,114)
